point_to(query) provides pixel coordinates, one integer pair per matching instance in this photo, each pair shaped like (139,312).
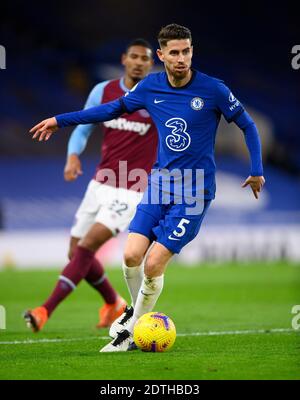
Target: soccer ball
(154,332)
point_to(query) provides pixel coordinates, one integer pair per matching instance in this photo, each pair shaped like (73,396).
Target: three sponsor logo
(178,139)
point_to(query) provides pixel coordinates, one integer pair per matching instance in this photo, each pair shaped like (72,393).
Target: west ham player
(186,106)
(105,210)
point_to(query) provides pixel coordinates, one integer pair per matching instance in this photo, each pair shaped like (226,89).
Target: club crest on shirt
(197,103)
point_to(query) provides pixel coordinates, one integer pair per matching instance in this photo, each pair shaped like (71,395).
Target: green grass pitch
(247,306)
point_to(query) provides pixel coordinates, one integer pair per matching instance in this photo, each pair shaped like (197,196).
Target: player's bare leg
(150,290)
(96,237)
(72,246)
(114,304)
(82,265)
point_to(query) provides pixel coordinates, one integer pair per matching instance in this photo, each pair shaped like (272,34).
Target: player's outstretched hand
(72,168)
(44,129)
(256,183)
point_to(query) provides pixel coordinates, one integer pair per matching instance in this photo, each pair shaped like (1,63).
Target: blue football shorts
(168,224)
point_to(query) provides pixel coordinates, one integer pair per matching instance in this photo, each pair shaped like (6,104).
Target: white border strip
(41,341)
(216,333)
(244,332)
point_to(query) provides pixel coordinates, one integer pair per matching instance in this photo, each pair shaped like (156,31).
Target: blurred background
(56,53)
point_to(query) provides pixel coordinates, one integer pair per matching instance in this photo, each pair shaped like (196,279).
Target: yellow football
(154,332)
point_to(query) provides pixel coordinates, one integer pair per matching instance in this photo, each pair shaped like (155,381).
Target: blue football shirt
(187,119)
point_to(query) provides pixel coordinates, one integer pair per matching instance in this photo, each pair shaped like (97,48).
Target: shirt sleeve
(80,135)
(252,139)
(135,98)
(104,112)
(227,103)
(96,95)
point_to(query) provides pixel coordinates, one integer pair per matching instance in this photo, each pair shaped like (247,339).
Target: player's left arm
(256,179)
(233,111)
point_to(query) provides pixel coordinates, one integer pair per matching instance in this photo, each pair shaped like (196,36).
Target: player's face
(177,57)
(138,62)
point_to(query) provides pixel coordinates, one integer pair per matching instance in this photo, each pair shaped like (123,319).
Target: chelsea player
(105,210)
(186,106)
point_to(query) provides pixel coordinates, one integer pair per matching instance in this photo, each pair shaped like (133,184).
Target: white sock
(149,293)
(133,277)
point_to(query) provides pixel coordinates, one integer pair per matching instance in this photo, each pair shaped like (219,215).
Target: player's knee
(95,237)
(132,258)
(153,267)
(71,251)
(89,243)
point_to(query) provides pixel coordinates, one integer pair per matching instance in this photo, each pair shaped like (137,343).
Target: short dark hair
(139,42)
(173,32)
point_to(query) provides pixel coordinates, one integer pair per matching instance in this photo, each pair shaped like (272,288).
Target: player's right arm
(79,138)
(104,112)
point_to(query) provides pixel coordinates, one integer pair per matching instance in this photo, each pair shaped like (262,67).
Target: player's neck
(129,83)
(179,82)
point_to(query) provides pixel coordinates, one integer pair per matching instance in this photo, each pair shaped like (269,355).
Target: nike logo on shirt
(158,101)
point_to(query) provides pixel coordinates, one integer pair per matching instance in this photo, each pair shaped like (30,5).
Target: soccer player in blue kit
(186,106)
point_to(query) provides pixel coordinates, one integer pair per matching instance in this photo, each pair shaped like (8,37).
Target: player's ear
(123,58)
(160,54)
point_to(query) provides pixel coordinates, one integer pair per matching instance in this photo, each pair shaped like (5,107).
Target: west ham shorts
(110,206)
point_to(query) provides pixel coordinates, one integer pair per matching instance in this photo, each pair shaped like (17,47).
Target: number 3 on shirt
(181,227)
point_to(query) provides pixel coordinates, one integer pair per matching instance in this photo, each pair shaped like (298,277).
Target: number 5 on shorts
(181,227)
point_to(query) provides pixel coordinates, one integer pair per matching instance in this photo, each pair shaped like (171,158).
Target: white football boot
(120,323)
(120,343)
